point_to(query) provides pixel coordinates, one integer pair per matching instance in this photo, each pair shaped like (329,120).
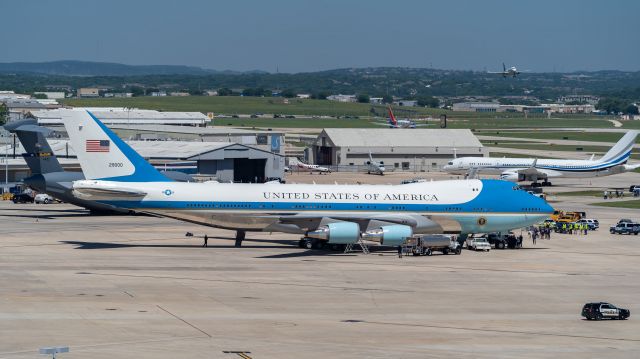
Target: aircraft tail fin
(621,151)
(392,118)
(38,154)
(102,154)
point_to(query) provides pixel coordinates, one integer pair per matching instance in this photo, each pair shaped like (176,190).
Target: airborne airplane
(335,214)
(512,71)
(531,169)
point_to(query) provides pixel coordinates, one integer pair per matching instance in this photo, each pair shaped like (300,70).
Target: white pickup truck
(478,244)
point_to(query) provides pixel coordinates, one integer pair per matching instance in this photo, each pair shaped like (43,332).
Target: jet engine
(391,235)
(510,176)
(337,233)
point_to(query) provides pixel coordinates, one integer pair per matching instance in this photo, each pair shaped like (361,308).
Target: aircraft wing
(472,173)
(94,190)
(311,221)
(532,172)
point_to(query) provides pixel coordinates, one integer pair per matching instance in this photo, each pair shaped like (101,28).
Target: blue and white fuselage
(473,206)
(532,169)
(120,177)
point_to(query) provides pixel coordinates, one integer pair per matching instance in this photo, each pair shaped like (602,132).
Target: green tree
(387,99)
(363,98)
(632,109)
(136,91)
(4,113)
(288,93)
(40,96)
(322,95)
(428,101)
(612,104)
(224,92)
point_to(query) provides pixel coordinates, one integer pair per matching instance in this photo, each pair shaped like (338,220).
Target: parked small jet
(532,169)
(512,71)
(375,167)
(295,164)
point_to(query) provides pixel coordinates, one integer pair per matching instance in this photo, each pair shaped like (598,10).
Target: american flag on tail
(97,146)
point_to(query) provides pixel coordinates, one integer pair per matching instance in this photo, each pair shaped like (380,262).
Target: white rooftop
(152,149)
(189,130)
(397,137)
(115,115)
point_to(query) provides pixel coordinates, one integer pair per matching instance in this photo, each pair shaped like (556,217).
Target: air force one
(510,72)
(531,169)
(335,214)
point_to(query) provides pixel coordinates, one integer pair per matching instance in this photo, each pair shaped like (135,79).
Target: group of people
(542,232)
(572,228)
(611,194)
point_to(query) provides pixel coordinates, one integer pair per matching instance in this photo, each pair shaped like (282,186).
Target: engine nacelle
(510,176)
(337,233)
(391,235)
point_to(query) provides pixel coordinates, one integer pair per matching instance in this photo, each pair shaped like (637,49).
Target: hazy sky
(296,36)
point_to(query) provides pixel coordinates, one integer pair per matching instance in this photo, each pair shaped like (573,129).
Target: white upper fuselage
(551,167)
(461,201)
(312,168)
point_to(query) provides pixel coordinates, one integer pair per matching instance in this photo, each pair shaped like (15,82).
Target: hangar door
(246,170)
(323,156)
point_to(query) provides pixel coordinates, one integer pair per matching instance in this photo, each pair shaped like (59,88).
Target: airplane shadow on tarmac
(49,213)
(288,243)
(196,244)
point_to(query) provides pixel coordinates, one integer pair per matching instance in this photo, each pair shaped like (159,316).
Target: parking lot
(136,287)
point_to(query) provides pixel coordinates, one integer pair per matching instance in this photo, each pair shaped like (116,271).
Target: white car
(478,244)
(592,223)
(43,198)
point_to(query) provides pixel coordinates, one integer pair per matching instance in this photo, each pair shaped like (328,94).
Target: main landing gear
(239,238)
(542,184)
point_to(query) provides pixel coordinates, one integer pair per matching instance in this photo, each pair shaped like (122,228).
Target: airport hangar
(418,150)
(222,161)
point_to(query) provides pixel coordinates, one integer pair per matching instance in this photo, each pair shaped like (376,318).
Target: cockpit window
(516,188)
(450,163)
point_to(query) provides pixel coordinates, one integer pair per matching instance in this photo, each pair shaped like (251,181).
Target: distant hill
(86,68)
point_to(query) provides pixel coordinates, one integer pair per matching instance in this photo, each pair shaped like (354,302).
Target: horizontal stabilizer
(95,191)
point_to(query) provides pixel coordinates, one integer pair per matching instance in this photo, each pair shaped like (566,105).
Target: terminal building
(418,150)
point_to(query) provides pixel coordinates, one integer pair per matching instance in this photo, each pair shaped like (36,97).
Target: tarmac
(137,287)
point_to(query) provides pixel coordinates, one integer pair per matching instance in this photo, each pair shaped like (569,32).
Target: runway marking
(490,330)
(184,321)
(240,353)
(249,282)
(469,268)
(89,346)
(129,294)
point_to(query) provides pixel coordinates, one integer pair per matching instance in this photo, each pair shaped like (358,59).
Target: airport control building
(419,150)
